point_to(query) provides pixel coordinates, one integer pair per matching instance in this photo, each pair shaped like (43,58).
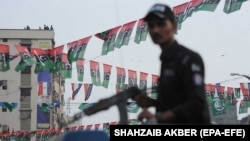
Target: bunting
(231,6)
(88,89)
(120,81)
(26,59)
(80,69)
(56,57)
(4,57)
(66,67)
(141,31)
(143,81)
(124,34)
(109,37)
(42,59)
(76,49)
(95,73)
(106,75)
(9,106)
(154,86)
(75,89)
(132,78)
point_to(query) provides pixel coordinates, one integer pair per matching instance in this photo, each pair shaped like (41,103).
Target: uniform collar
(170,52)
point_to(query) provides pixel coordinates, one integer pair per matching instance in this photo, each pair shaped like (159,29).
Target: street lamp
(243,75)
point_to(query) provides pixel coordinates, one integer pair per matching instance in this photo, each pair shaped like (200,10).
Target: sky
(221,39)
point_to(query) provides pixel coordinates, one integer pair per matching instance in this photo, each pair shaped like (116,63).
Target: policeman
(181,90)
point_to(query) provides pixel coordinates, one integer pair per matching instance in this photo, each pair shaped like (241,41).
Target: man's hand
(146,115)
(144,101)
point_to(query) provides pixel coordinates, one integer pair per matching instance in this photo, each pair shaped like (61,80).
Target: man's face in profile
(161,30)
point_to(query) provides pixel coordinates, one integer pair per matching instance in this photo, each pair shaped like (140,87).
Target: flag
(44,76)
(132,107)
(141,31)
(76,49)
(45,108)
(154,86)
(124,34)
(95,73)
(210,91)
(42,59)
(9,106)
(106,75)
(97,125)
(44,88)
(230,97)
(217,107)
(243,108)
(237,92)
(75,89)
(66,67)
(209,5)
(87,89)
(26,59)
(4,57)
(231,6)
(56,56)
(83,106)
(12,57)
(120,81)
(80,69)
(80,128)
(106,128)
(143,81)
(132,78)
(109,37)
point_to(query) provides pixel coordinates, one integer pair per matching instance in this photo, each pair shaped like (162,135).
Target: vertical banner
(141,31)
(106,75)
(120,81)
(44,99)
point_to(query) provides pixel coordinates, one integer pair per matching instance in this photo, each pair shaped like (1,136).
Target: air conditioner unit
(5,128)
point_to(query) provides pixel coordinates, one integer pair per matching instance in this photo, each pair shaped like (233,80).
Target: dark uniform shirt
(181,86)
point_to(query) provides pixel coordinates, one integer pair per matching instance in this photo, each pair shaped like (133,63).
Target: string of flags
(51,59)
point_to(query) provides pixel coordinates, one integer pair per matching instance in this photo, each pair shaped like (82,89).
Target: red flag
(120,81)
(95,73)
(88,127)
(4,57)
(66,66)
(97,126)
(56,55)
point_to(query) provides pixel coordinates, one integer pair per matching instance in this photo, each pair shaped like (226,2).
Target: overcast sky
(222,39)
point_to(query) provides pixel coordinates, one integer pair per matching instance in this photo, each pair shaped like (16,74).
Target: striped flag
(88,90)
(44,88)
(75,89)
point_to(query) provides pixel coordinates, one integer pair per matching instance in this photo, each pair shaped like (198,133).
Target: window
(5,40)
(3,84)
(4,109)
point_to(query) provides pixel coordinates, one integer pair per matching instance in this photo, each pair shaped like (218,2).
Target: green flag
(143,81)
(218,106)
(83,106)
(80,69)
(237,92)
(45,107)
(4,58)
(132,107)
(76,49)
(243,108)
(124,34)
(141,31)
(209,5)
(231,6)
(132,78)
(120,80)
(26,58)
(56,57)
(66,67)
(95,73)
(42,59)
(9,106)
(106,75)
(109,37)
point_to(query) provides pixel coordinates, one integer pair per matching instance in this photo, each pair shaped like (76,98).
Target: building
(22,87)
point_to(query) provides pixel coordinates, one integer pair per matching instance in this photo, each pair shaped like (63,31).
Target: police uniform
(181,86)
